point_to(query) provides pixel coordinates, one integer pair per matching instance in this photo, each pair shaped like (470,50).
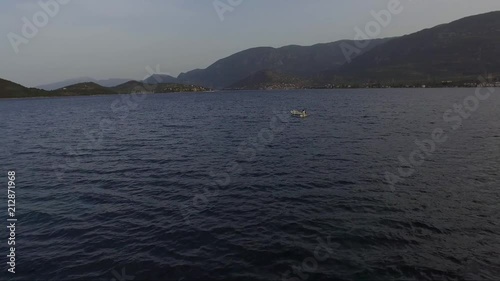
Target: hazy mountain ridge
(109,83)
(105,83)
(161,79)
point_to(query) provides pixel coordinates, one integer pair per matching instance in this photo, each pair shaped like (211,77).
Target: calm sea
(229,186)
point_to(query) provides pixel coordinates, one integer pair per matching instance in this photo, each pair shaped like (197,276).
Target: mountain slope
(294,60)
(130,87)
(464,48)
(269,79)
(138,87)
(10,89)
(83,89)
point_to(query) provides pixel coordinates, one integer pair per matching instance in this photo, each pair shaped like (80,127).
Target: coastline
(98,95)
(232,91)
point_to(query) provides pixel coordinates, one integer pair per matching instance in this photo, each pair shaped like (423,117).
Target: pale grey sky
(119,38)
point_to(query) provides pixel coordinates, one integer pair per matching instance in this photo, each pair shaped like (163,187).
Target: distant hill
(10,89)
(462,49)
(129,87)
(83,89)
(136,86)
(293,60)
(66,83)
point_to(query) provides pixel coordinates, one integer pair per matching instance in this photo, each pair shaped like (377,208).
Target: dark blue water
(229,186)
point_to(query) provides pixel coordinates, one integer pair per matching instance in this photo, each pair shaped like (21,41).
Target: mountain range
(458,51)
(293,60)
(463,49)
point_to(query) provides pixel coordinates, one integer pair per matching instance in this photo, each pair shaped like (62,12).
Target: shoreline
(98,95)
(227,91)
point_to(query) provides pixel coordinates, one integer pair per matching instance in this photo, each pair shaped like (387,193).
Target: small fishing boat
(298,113)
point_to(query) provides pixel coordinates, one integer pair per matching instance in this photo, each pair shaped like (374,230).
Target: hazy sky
(120,38)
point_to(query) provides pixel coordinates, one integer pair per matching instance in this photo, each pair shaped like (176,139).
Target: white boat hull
(300,114)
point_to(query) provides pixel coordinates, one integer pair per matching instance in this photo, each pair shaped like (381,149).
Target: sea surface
(227,185)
